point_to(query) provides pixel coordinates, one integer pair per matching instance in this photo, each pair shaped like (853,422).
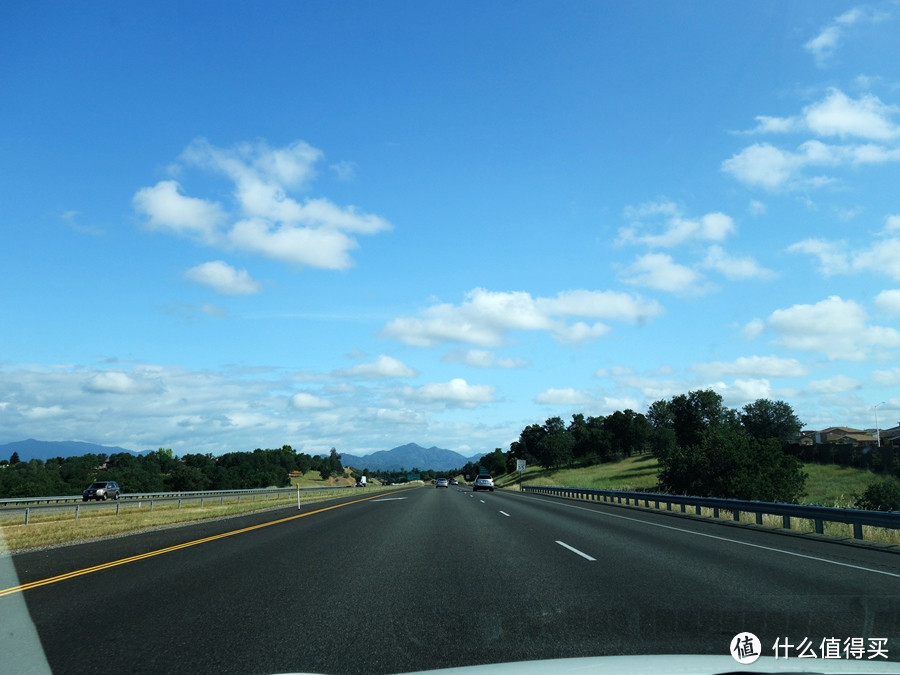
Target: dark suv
(104,489)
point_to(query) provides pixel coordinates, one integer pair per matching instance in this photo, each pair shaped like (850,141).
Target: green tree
(528,445)
(771,419)
(555,447)
(331,465)
(591,441)
(186,478)
(692,414)
(629,432)
(494,462)
(728,463)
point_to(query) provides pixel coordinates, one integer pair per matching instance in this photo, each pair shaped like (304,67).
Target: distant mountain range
(44,450)
(410,456)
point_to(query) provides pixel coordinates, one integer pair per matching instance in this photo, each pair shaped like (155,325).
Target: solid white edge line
(575,550)
(733,541)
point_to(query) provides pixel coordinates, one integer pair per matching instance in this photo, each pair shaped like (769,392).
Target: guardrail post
(76,511)
(26,515)
(179,502)
(857,531)
(117,508)
(786,522)
(737,515)
(820,526)
(759,516)
(696,510)
(151,506)
(715,511)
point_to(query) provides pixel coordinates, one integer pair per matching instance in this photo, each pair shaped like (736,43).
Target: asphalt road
(431,578)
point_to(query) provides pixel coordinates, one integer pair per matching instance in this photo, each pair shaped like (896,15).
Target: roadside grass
(631,473)
(834,485)
(826,485)
(61,527)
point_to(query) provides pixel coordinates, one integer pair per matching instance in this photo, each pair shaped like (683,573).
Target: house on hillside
(845,436)
(890,436)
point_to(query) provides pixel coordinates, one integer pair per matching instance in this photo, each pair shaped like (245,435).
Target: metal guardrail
(818,514)
(25,501)
(11,507)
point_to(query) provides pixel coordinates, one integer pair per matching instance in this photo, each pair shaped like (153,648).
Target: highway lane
(439,577)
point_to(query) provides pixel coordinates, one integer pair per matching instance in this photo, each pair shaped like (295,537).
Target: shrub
(881,496)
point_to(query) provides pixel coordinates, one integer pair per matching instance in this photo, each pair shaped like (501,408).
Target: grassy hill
(826,484)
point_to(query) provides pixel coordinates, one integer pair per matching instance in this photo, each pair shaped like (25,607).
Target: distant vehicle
(101,490)
(453,481)
(483,482)
(442,482)
(361,481)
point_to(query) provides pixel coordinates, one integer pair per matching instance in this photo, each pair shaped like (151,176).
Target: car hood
(671,664)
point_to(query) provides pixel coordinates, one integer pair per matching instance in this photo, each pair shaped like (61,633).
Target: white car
(442,482)
(483,482)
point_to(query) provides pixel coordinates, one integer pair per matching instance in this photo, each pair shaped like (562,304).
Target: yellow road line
(170,549)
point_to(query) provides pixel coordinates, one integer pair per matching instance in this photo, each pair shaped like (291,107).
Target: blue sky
(236,225)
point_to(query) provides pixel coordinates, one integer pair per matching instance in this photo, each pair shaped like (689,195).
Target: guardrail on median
(12,506)
(818,514)
(24,501)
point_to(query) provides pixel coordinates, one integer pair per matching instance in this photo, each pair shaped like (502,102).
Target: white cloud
(265,218)
(486,316)
(839,115)
(675,229)
(892,224)
(835,385)
(757,208)
(832,255)
(836,257)
(888,302)
(823,45)
(564,397)
(118,382)
(834,327)
(455,393)
(345,171)
(733,267)
(866,119)
(753,328)
(763,165)
(659,271)
(888,378)
(223,278)
(167,208)
(305,401)
(482,358)
(383,366)
(741,392)
(752,366)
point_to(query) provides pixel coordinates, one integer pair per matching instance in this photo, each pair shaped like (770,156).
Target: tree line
(162,471)
(703,447)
